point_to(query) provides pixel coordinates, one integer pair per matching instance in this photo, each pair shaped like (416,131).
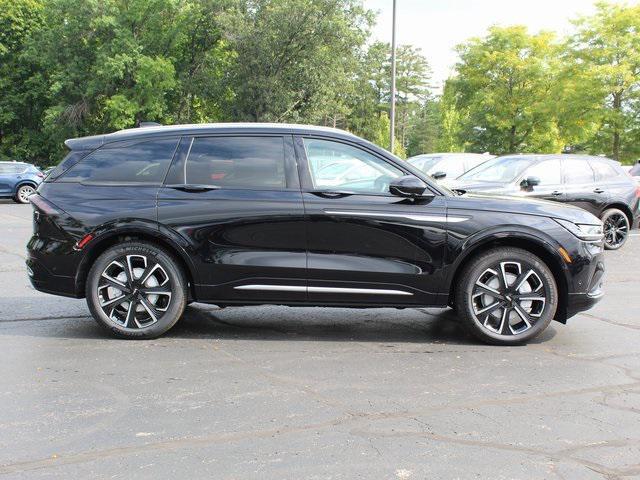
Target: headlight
(581,230)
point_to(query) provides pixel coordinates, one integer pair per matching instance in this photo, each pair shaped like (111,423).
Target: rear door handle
(556,193)
(190,187)
(598,190)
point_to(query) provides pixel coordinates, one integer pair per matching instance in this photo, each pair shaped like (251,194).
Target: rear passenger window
(143,162)
(237,162)
(603,170)
(577,171)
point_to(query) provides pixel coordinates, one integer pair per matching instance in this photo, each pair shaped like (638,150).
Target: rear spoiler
(85,143)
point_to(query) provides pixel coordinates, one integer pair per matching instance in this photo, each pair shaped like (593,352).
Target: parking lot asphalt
(314,393)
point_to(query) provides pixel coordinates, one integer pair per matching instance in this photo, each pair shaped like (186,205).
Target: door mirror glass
(407,186)
(439,175)
(530,182)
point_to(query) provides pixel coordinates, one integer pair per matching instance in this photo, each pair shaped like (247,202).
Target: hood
(522,206)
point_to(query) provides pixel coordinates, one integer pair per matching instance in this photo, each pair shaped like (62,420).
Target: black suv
(597,184)
(143,221)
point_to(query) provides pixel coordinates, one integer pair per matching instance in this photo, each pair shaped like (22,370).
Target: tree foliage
(70,68)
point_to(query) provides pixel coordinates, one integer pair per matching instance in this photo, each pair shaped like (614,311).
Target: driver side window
(336,166)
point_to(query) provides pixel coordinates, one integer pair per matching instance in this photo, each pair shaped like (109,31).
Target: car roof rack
(142,124)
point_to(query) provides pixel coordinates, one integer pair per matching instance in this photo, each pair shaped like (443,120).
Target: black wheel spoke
(504,323)
(130,319)
(160,289)
(107,281)
(484,289)
(526,318)
(151,309)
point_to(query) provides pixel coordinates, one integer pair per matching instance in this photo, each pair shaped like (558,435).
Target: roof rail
(142,124)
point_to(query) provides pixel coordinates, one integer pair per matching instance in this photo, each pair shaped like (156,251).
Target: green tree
(504,92)
(293,57)
(606,55)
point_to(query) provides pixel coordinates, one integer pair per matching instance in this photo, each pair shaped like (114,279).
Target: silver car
(448,165)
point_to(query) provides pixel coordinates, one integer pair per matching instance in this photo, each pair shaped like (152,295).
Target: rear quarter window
(142,162)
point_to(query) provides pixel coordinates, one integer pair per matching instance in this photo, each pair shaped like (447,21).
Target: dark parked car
(144,221)
(448,165)
(597,184)
(19,180)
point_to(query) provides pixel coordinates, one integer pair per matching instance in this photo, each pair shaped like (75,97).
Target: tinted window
(337,166)
(237,162)
(577,171)
(548,172)
(500,169)
(144,162)
(604,170)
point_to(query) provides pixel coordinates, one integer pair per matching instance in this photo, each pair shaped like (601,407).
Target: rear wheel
(136,290)
(23,194)
(506,296)
(616,228)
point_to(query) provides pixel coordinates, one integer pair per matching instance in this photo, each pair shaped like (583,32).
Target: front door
(235,201)
(549,173)
(365,245)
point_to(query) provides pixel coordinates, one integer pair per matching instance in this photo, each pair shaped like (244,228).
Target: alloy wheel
(24,193)
(134,291)
(616,229)
(508,298)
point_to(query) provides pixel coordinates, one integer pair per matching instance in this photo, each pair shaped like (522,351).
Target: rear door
(581,189)
(366,246)
(235,202)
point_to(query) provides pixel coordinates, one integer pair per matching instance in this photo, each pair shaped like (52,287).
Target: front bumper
(580,301)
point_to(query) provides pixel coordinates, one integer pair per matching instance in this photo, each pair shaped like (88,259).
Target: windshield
(425,163)
(500,170)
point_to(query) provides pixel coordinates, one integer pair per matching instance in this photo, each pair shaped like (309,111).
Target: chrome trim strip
(300,288)
(378,291)
(277,288)
(408,216)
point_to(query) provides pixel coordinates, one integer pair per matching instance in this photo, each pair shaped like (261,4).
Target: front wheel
(136,290)
(23,194)
(506,296)
(616,228)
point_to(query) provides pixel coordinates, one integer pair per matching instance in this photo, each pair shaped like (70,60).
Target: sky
(438,26)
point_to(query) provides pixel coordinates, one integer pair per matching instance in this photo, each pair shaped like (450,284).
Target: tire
(616,228)
(482,299)
(23,193)
(141,272)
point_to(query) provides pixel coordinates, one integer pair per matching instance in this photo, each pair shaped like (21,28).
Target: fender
(506,233)
(107,232)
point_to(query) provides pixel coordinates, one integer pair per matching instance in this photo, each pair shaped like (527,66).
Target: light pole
(393,79)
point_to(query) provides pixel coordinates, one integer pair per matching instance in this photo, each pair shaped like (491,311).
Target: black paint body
(299,237)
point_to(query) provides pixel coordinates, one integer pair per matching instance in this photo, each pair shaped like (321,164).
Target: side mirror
(407,186)
(530,182)
(439,175)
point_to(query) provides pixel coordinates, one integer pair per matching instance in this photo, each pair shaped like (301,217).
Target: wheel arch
(98,246)
(22,183)
(620,206)
(527,242)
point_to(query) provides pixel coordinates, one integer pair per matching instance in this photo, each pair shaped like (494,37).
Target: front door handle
(190,187)
(332,194)
(556,193)
(598,190)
